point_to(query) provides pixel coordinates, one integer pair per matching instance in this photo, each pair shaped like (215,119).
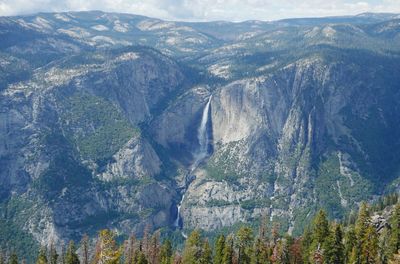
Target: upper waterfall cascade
(202,152)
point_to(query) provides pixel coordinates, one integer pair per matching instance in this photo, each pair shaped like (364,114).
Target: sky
(206,10)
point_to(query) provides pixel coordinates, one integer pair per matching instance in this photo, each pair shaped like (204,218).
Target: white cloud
(235,10)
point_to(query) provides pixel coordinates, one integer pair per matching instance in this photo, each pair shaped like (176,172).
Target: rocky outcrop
(136,159)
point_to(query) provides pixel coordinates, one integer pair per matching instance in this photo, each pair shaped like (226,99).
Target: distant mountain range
(100,117)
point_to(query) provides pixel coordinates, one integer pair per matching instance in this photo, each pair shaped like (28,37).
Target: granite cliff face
(97,131)
(295,140)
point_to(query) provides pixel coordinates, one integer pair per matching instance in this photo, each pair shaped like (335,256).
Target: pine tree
(85,249)
(275,233)
(383,247)
(53,254)
(107,251)
(349,243)
(296,256)
(62,253)
(260,252)
(177,258)
(394,240)
(369,251)
(229,254)
(354,257)
(13,258)
(362,224)
(153,253)
(219,249)
(166,252)
(244,242)
(320,233)
(334,249)
(306,245)
(192,250)
(129,249)
(42,258)
(285,248)
(140,258)
(320,228)
(146,240)
(206,253)
(2,260)
(70,256)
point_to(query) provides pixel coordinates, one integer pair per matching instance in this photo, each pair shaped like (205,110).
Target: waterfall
(200,154)
(178,220)
(203,137)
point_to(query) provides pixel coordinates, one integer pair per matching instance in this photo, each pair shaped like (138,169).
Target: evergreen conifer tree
(70,255)
(192,251)
(334,249)
(320,233)
(107,251)
(53,255)
(219,249)
(85,249)
(13,258)
(206,253)
(229,253)
(349,243)
(369,251)
(244,242)
(362,224)
(42,258)
(2,259)
(394,240)
(260,252)
(166,252)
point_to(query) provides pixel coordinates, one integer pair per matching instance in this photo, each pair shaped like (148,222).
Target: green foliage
(217,203)
(394,240)
(71,257)
(219,249)
(63,171)
(261,252)
(229,254)
(322,242)
(166,252)
(244,240)
(140,258)
(220,166)
(19,210)
(206,256)
(320,228)
(13,258)
(107,250)
(350,242)
(255,203)
(334,248)
(96,126)
(53,255)
(42,258)
(192,250)
(2,258)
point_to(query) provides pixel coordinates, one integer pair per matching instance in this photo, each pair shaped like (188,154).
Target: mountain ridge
(99,120)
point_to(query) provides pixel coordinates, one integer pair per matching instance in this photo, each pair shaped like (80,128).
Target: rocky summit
(120,121)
